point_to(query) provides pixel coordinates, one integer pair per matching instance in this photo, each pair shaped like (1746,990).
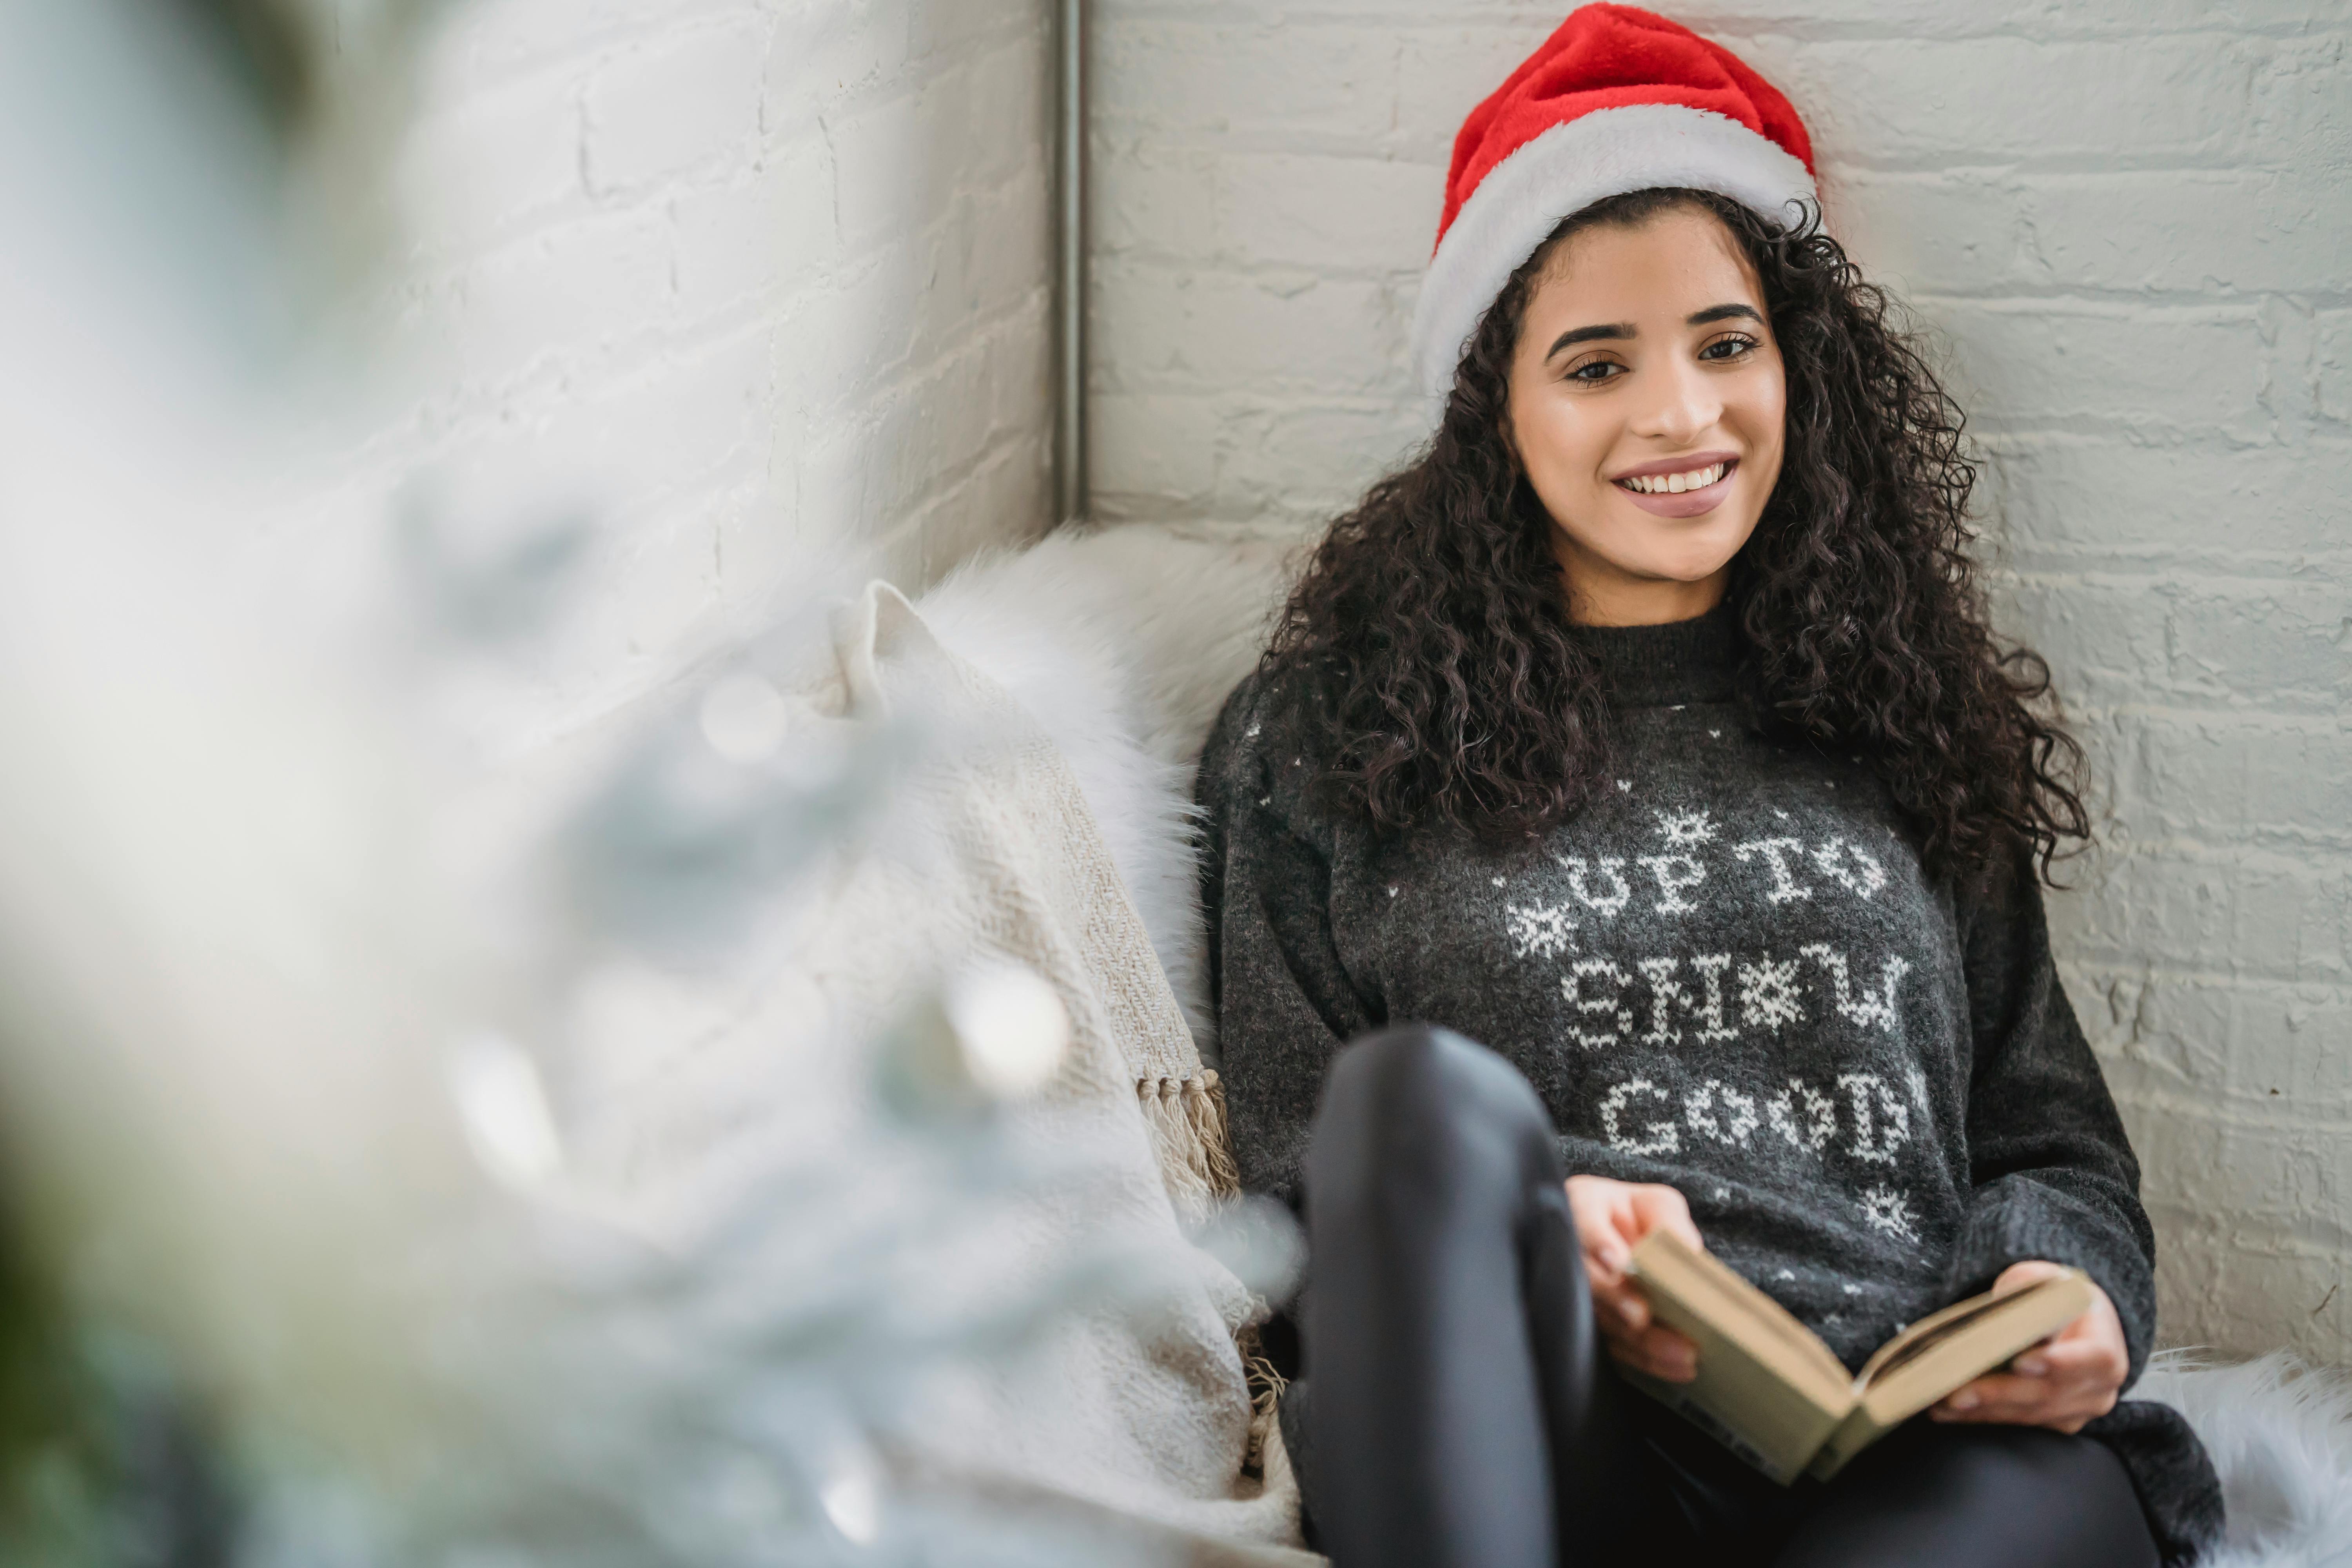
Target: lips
(1691,502)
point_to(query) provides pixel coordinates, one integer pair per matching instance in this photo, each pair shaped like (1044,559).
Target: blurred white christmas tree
(315,1255)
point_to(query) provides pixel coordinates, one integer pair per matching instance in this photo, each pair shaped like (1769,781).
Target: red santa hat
(1618,99)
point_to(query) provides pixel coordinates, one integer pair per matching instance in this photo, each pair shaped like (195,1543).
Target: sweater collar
(1680,661)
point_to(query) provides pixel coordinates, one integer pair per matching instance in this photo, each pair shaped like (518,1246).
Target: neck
(1644,602)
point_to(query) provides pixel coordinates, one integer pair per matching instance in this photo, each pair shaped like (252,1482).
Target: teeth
(1675,484)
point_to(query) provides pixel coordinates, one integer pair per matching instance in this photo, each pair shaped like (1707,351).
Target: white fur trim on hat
(1605,153)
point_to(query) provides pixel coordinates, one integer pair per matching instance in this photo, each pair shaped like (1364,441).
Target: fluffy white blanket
(1124,643)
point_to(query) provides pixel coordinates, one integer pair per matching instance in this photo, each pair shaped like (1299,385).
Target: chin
(1690,551)
(1693,562)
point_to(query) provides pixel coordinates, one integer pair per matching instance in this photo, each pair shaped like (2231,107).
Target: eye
(1730,346)
(1592,372)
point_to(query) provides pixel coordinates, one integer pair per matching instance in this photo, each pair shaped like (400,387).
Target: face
(1646,403)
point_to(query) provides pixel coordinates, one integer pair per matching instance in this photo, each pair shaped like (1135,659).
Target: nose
(1682,405)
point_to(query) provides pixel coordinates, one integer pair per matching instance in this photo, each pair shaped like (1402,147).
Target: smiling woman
(1568,737)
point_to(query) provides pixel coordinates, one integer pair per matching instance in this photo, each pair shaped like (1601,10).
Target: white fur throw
(1124,643)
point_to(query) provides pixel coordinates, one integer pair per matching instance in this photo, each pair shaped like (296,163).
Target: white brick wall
(2129,220)
(755,286)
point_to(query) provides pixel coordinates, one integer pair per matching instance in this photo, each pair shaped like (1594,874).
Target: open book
(1769,1390)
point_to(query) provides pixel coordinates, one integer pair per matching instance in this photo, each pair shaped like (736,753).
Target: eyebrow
(1607,330)
(1575,335)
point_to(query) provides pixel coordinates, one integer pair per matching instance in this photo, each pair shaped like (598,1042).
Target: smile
(1675,484)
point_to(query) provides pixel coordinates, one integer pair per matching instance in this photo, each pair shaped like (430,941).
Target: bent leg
(1461,1414)
(1978,1497)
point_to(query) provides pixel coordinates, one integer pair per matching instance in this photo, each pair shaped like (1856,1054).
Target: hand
(2068,1379)
(1610,1216)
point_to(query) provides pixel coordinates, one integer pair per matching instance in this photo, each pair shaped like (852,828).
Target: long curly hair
(1448,683)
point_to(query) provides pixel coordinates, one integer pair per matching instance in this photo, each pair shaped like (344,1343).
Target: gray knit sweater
(1729,973)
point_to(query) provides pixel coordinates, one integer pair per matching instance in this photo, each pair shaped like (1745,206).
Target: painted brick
(749,238)
(2193,639)
(2069,499)
(1321,211)
(2185,906)
(1361,442)
(2332,369)
(1152,442)
(2004,229)
(1168,199)
(767,285)
(987,259)
(2277,783)
(2034,363)
(561,296)
(487,166)
(2163,102)
(506,39)
(1260,328)
(663,108)
(1332,86)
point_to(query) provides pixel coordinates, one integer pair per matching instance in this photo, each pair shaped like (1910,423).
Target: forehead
(1668,266)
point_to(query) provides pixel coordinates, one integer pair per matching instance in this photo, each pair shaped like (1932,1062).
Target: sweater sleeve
(2053,1172)
(1284,1001)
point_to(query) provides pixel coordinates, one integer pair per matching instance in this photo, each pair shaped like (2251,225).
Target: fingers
(2010,1399)
(1621,1307)
(1657,1349)
(1997,1396)
(1604,1224)
(2085,1359)
(1655,1207)
(1606,1255)
(1611,1216)
(1637,1340)
(2018,1276)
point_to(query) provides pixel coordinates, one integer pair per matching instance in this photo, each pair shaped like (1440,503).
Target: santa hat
(1616,100)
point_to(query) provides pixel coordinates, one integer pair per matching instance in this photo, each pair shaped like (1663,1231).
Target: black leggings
(1458,1410)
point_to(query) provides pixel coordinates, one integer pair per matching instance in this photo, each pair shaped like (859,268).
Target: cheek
(1761,410)
(1560,444)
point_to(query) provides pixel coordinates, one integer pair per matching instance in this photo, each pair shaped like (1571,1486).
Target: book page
(1939,1353)
(1939,1362)
(1906,1348)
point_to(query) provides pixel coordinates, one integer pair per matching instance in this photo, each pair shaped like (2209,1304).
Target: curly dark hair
(1449,682)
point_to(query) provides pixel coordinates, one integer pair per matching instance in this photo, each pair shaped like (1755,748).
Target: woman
(1648,730)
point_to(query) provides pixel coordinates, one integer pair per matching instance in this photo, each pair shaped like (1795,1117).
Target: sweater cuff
(2017,1219)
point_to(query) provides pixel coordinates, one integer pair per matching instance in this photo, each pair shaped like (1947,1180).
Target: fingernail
(1964,1401)
(2032,1365)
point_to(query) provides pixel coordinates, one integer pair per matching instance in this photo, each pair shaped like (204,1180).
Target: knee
(1418,1104)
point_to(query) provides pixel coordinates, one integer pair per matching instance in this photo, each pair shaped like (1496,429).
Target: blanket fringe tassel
(1187,1118)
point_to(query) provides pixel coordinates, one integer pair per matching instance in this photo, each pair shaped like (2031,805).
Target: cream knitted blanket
(1142,1422)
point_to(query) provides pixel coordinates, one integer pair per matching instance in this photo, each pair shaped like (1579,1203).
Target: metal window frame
(1070,498)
